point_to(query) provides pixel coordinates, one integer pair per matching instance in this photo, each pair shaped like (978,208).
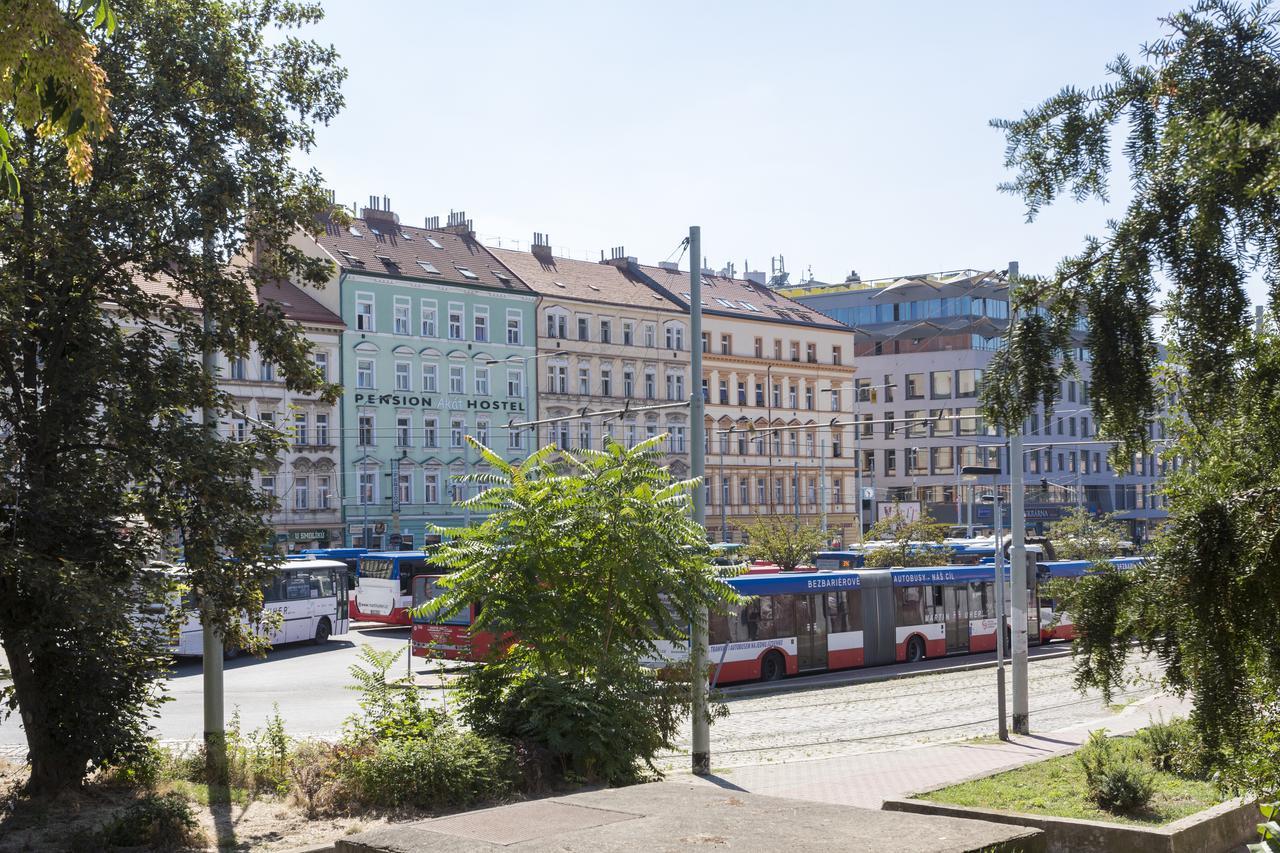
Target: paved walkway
(868,779)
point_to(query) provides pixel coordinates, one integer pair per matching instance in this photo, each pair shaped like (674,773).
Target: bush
(1116,782)
(452,768)
(162,823)
(594,726)
(1175,747)
(258,761)
(311,769)
(143,770)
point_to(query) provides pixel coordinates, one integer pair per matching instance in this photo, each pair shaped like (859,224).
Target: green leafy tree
(899,540)
(783,542)
(100,362)
(586,561)
(1201,110)
(1081,536)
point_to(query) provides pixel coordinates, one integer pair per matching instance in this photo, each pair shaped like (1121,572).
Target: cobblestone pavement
(905,712)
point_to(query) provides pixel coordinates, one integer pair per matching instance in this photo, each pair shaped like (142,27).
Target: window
(628,382)
(943,460)
(584,380)
(268,486)
(321,360)
(675,386)
(724,392)
(455,321)
(300,429)
(631,435)
(606,331)
(650,383)
(431,487)
(940,384)
(628,333)
(400,316)
(808,397)
(557,325)
(795,350)
(482,381)
(403,383)
(457,429)
(324,491)
(428,317)
(650,335)
(364,312)
(322,429)
(404,430)
(515,383)
(584,328)
(915,386)
(515,439)
(584,435)
(811,353)
(677,439)
(267,372)
(777,349)
(482,431)
(515,328)
(558,374)
(429,436)
(917,426)
(675,336)
(238,369)
(404,487)
(793,400)
(365,430)
(368,486)
(837,356)
(967,382)
(606,381)
(480,322)
(364,373)
(793,444)
(762,493)
(777,395)
(726,344)
(917,460)
(457,379)
(891,461)
(742,393)
(759,393)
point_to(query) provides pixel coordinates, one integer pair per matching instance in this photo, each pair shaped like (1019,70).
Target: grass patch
(1057,788)
(198,792)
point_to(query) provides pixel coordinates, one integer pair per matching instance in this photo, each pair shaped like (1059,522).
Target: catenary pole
(701,752)
(1018,561)
(1000,610)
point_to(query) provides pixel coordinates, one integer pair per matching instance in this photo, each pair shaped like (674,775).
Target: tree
(586,562)
(783,542)
(911,541)
(51,84)
(1080,536)
(100,356)
(1202,116)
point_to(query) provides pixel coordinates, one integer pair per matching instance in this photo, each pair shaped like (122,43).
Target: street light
(972,473)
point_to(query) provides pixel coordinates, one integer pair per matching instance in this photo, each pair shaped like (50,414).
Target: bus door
(811,631)
(879,642)
(343,592)
(955,605)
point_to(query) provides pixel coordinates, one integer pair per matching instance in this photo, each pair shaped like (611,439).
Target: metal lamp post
(972,472)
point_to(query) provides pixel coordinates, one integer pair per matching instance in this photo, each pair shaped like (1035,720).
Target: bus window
(273,589)
(910,605)
(982,600)
(322,584)
(844,609)
(297,586)
(718,628)
(784,617)
(855,609)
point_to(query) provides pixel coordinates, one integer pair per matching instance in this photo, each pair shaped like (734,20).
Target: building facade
(776,374)
(923,345)
(607,341)
(439,345)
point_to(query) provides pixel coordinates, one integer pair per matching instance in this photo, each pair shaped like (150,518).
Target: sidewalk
(867,780)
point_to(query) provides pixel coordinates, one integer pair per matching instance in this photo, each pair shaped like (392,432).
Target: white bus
(310,595)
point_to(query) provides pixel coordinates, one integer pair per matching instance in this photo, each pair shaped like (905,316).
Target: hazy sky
(843,135)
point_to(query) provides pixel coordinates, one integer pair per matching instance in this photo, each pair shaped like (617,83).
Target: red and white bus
(384,586)
(1054,623)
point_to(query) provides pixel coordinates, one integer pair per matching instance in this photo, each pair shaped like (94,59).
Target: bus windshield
(426,588)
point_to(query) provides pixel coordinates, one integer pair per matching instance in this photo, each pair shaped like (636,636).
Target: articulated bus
(310,595)
(384,585)
(1057,625)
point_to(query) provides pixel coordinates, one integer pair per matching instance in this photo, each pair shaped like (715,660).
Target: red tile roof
(736,297)
(591,282)
(381,247)
(296,303)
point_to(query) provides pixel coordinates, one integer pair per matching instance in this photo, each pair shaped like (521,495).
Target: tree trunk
(57,765)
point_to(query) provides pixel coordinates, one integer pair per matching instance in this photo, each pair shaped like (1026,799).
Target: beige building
(607,340)
(775,375)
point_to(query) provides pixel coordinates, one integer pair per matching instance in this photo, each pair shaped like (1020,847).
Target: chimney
(755,277)
(459,224)
(433,223)
(379,212)
(669,266)
(618,258)
(541,246)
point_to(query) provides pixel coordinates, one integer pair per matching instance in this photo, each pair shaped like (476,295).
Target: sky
(840,135)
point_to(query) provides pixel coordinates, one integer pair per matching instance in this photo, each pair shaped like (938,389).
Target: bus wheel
(915,649)
(773,667)
(323,630)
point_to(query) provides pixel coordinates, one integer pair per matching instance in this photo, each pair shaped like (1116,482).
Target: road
(799,719)
(307,682)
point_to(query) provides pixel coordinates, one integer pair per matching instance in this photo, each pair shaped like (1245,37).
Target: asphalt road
(307,682)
